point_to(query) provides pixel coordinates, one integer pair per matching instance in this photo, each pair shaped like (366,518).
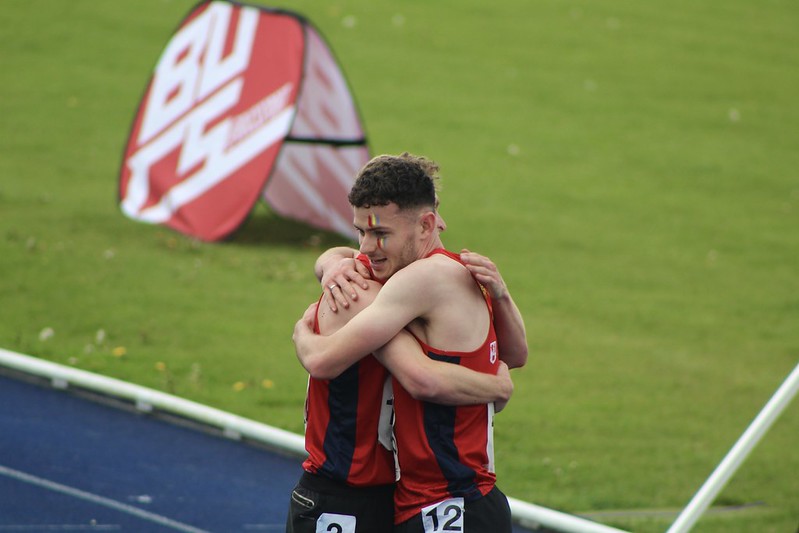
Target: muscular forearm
(461,386)
(511,333)
(332,255)
(326,356)
(316,356)
(440,382)
(508,321)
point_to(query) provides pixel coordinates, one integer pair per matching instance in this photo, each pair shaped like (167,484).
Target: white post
(759,426)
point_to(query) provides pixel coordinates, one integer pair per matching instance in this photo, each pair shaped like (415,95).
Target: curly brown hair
(407,180)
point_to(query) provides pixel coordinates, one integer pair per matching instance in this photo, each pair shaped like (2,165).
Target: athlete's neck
(433,244)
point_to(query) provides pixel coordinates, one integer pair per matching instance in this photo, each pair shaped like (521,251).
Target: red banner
(216,113)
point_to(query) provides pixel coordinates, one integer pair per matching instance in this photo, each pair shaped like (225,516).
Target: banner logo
(223,100)
(196,127)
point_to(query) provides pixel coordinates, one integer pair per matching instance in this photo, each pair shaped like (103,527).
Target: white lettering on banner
(260,113)
(219,164)
(216,70)
(192,67)
(446,516)
(193,87)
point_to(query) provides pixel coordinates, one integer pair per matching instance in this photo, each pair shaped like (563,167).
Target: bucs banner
(244,103)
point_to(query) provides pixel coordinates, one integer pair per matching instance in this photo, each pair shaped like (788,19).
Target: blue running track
(81,462)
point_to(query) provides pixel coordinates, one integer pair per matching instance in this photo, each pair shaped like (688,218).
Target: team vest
(343,420)
(445,451)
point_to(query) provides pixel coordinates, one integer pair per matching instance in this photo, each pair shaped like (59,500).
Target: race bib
(335,523)
(446,516)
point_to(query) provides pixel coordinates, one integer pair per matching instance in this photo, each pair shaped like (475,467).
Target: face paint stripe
(373,220)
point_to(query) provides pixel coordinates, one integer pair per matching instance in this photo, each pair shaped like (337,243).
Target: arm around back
(439,382)
(317,354)
(508,320)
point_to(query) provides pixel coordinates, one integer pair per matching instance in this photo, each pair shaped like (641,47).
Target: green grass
(631,166)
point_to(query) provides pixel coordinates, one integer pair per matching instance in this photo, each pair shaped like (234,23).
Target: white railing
(735,457)
(147,400)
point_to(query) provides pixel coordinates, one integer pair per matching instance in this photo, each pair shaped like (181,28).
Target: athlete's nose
(440,224)
(368,244)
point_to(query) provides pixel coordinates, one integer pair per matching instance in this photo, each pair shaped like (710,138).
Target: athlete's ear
(428,221)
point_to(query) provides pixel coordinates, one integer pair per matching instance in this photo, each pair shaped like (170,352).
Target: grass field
(632,167)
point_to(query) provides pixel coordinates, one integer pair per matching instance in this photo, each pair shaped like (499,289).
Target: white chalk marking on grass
(106,502)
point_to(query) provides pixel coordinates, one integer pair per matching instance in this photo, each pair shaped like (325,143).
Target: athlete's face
(388,237)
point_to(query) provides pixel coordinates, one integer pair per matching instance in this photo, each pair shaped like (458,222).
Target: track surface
(68,463)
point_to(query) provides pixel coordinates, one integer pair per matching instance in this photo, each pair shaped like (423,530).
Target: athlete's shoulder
(443,263)
(330,321)
(429,275)
(425,268)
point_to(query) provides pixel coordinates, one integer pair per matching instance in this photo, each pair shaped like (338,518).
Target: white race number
(443,517)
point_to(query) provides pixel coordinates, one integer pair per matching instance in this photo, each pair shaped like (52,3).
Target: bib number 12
(443,517)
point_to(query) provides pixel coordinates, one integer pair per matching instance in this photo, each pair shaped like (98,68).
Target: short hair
(407,180)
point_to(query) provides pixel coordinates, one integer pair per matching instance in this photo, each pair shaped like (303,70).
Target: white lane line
(61,527)
(100,500)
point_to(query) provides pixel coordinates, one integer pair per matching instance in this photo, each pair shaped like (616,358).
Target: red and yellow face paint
(373,222)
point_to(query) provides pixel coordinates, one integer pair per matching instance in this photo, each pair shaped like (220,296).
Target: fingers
(503,369)
(478,264)
(305,325)
(354,273)
(485,271)
(504,373)
(329,297)
(500,405)
(476,260)
(305,322)
(341,293)
(336,295)
(348,284)
(340,284)
(361,274)
(310,314)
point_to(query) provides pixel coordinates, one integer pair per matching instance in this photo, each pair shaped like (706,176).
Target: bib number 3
(335,523)
(443,517)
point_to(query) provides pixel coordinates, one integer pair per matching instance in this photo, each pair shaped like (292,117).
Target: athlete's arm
(439,382)
(409,294)
(508,321)
(424,378)
(332,255)
(340,273)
